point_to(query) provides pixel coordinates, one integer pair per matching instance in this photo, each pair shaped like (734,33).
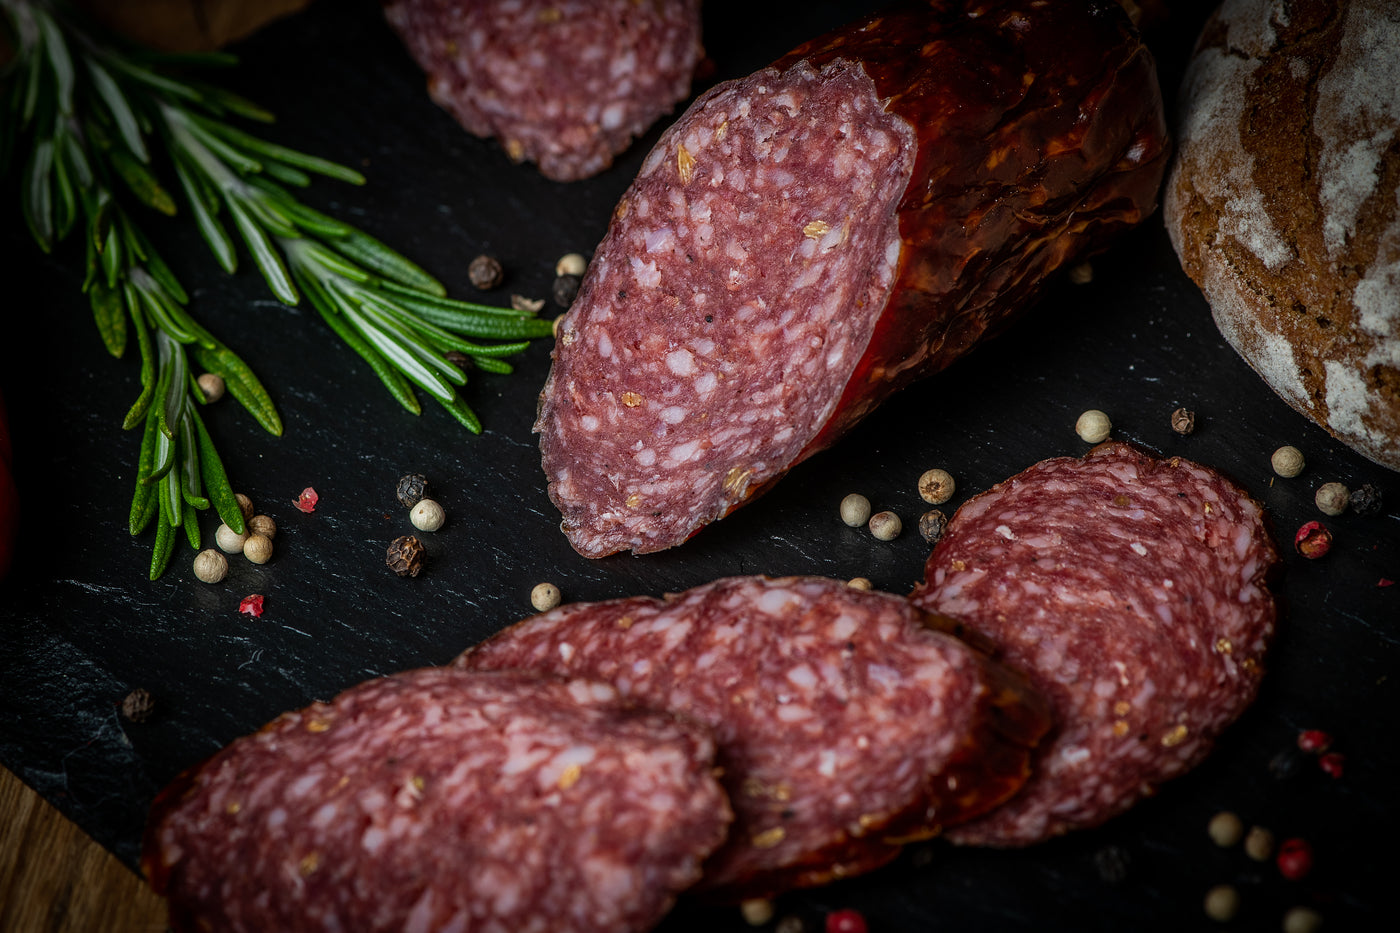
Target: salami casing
(442,800)
(566,84)
(1131,591)
(805,241)
(845,724)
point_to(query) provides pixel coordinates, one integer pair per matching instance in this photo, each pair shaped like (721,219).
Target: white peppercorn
(210,566)
(545,596)
(1259,844)
(1302,920)
(262,525)
(1222,903)
(1332,498)
(936,486)
(860,583)
(757,911)
(571,264)
(1183,421)
(212,385)
(427,515)
(258,548)
(885,525)
(228,540)
(1287,461)
(245,505)
(1093,426)
(855,510)
(1225,829)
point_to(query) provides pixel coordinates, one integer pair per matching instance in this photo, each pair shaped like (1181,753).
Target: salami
(566,84)
(442,800)
(846,725)
(805,241)
(1131,591)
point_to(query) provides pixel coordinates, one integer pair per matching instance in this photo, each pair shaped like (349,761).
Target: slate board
(80,625)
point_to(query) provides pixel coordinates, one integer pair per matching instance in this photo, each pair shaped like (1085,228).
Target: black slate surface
(80,625)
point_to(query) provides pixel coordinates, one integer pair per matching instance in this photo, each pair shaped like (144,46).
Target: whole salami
(566,84)
(441,800)
(846,725)
(805,241)
(1131,592)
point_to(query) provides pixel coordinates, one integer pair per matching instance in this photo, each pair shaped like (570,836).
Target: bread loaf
(1284,203)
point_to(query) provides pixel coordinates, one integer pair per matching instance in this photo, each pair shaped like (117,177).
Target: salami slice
(805,241)
(845,724)
(442,800)
(566,84)
(1131,592)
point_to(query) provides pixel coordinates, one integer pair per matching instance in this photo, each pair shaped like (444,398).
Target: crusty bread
(1284,203)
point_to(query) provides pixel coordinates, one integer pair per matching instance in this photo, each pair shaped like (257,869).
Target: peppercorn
(1294,859)
(1314,740)
(427,515)
(1366,499)
(756,910)
(1285,765)
(1302,920)
(845,921)
(1225,829)
(885,526)
(228,540)
(411,489)
(1093,426)
(545,596)
(306,502)
(405,556)
(212,385)
(855,510)
(527,305)
(1222,903)
(262,525)
(1287,462)
(1081,273)
(1313,540)
(1331,498)
(1183,421)
(459,359)
(258,548)
(1332,764)
(1259,844)
(138,705)
(860,583)
(251,605)
(791,924)
(932,524)
(245,505)
(571,264)
(565,289)
(936,486)
(1112,863)
(210,566)
(485,272)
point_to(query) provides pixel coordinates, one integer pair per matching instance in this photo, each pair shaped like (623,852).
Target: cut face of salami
(846,725)
(442,800)
(808,239)
(567,84)
(1130,591)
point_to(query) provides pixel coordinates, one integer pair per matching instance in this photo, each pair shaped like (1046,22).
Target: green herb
(92,110)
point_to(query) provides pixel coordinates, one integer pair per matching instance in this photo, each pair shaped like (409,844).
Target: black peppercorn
(138,705)
(1286,764)
(566,289)
(459,359)
(932,524)
(1183,421)
(1112,863)
(412,488)
(1366,500)
(485,272)
(405,556)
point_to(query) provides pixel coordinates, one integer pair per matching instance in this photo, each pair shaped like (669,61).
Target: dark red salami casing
(1031,133)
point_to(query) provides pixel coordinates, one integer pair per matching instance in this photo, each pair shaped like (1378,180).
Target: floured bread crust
(1284,203)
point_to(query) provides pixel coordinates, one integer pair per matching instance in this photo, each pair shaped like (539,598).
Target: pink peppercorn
(1313,540)
(307,500)
(1332,763)
(845,921)
(1294,859)
(251,605)
(1314,740)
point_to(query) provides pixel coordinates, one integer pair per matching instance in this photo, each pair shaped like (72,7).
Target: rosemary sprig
(94,111)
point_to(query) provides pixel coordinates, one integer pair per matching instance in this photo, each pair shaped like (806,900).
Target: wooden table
(55,879)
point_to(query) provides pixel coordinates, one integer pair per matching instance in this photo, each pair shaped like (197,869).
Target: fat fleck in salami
(442,800)
(566,84)
(1130,590)
(845,724)
(807,240)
